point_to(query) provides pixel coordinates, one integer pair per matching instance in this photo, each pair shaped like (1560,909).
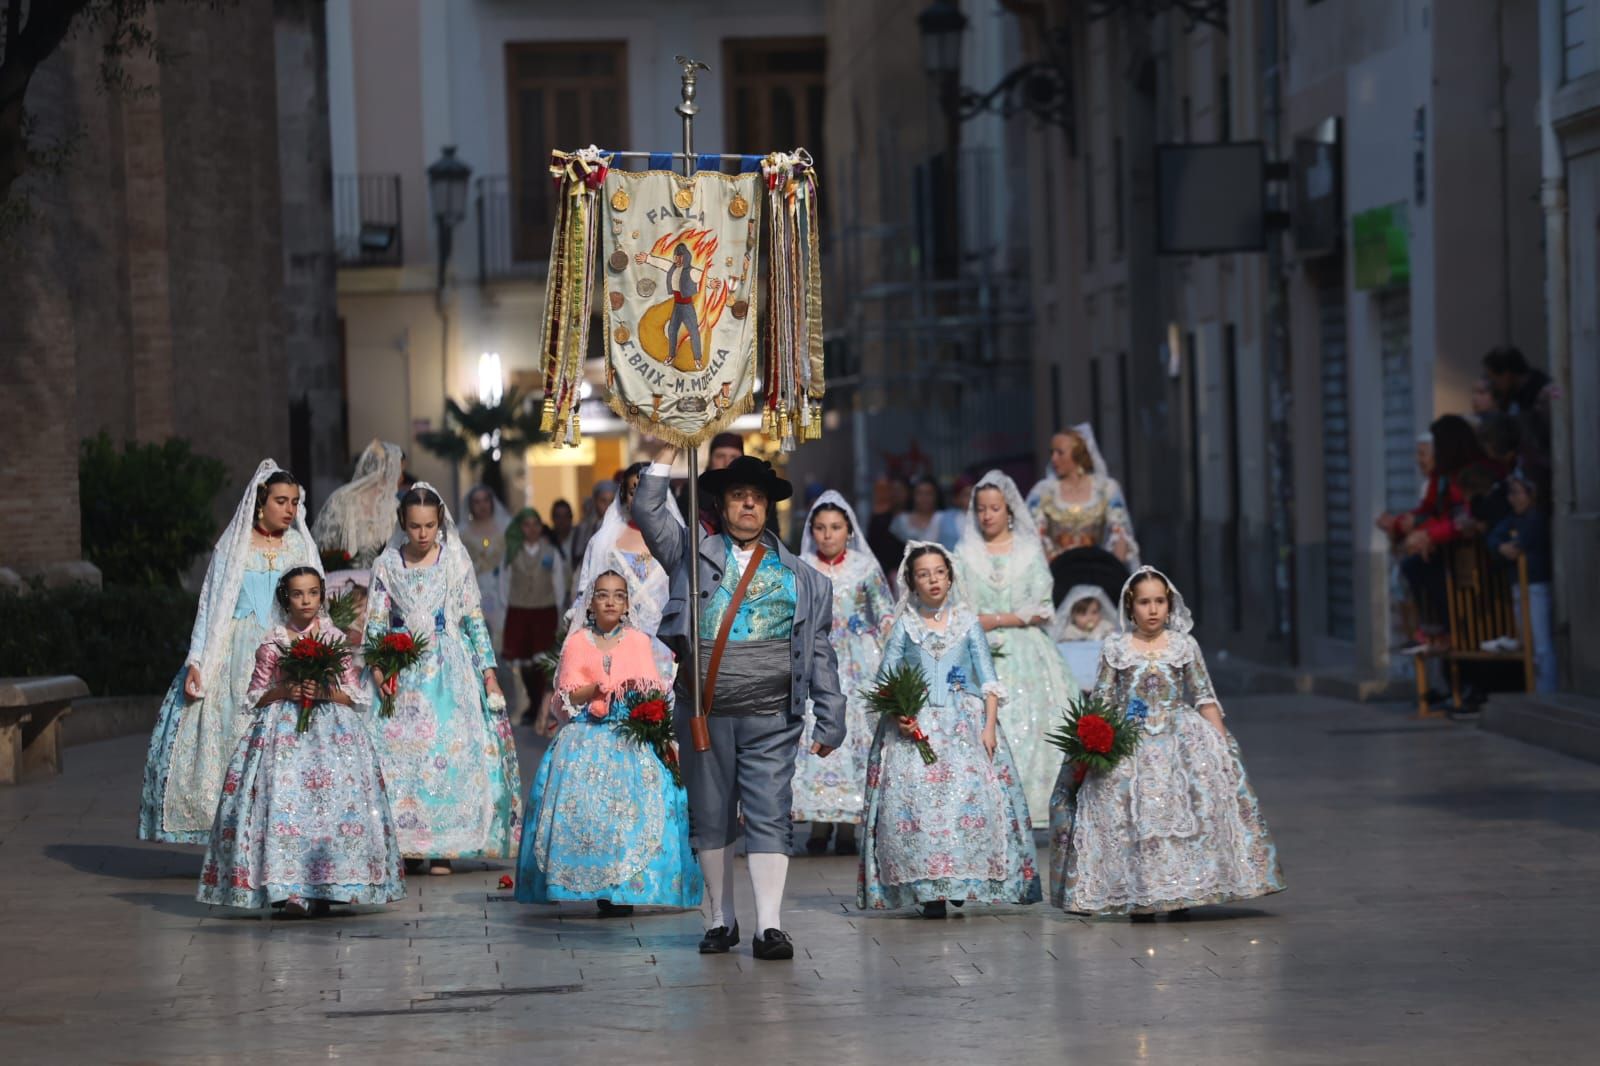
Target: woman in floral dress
(956,829)
(206,710)
(1082,517)
(447,752)
(1176,824)
(831,793)
(304,820)
(605,820)
(1004,576)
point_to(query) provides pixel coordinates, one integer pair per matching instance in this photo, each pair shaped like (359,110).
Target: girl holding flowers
(446,747)
(606,820)
(957,828)
(1175,824)
(304,819)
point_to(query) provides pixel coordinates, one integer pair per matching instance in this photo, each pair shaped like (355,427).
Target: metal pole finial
(691,71)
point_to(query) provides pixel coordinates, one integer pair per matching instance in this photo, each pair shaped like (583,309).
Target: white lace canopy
(358,516)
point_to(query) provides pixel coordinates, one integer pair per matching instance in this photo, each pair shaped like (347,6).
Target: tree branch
(27,46)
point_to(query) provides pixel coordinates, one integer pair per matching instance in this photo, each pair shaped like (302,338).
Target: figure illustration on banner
(662,329)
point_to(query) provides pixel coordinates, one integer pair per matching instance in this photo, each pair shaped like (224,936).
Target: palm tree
(481,432)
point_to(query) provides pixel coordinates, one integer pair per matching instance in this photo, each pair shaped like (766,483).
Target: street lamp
(447,192)
(941,25)
(1042,88)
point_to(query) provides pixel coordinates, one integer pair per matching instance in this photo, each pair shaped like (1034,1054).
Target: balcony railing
(366,220)
(503,252)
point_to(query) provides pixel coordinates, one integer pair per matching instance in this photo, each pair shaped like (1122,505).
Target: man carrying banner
(764,651)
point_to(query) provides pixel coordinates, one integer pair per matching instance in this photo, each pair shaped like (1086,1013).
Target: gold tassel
(547,416)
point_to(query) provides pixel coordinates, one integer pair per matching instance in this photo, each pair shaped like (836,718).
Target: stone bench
(31,709)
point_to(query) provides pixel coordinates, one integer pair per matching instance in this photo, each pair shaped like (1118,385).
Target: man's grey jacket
(814,673)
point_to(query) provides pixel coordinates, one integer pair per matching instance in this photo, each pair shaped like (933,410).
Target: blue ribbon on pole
(660,161)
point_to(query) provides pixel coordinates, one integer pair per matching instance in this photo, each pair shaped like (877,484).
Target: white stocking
(716,907)
(768,871)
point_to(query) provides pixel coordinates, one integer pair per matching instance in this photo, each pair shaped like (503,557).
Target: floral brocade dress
(955,829)
(1174,825)
(448,759)
(193,742)
(834,789)
(302,814)
(604,818)
(1093,523)
(1037,683)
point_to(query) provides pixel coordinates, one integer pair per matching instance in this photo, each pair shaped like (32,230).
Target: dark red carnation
(652,711)
(1096,734)
(399,642)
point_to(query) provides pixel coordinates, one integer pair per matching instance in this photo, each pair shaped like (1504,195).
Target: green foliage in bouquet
(1095,736)
(903,693)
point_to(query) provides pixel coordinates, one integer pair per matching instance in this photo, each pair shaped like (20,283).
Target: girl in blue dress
(956,829)
(207,708)
(605,821)
(448,756)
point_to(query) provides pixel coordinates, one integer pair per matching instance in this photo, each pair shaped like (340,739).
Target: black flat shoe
(958,903)
(607,909)
(1141,919)
(773,944)
(1179,915)
(934,909)
(717,941)
(416,866)
(846,847)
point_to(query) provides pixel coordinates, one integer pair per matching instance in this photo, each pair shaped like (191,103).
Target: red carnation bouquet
(389,654)
(315,659)
(334,559)
(903,692)
(1094,737)
(648,723)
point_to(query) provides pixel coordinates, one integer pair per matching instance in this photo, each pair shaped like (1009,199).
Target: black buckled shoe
(773,944)
(719,940)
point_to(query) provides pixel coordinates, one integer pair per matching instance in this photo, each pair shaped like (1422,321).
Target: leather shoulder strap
(710,687)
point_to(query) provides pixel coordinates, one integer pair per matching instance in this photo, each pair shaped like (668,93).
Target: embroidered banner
(680,267)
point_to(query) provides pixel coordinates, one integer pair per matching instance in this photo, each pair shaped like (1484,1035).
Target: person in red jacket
(1461,469)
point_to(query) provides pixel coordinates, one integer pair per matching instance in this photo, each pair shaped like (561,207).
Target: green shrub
(146,509)
(122,640)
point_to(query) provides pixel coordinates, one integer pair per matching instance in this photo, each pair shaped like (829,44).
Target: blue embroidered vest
(767,611)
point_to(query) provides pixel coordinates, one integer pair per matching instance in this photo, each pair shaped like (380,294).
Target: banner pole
(687,108)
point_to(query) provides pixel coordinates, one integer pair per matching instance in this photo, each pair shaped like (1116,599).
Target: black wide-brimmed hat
(746,470)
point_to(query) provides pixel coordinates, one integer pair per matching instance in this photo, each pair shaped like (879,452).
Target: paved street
(1441,909)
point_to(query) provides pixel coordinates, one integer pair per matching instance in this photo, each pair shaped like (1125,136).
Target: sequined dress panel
(604,819)
(302,814)
(192,743)
(958,828)
(834,789)
(1177,824)
(448,760)
(1035,677)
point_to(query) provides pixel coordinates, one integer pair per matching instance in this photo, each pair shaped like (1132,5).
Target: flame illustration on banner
(709,301)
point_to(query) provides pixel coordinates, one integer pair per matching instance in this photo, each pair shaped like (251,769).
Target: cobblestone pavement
(1441,909)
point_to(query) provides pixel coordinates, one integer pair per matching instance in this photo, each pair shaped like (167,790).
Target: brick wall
(149,294)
